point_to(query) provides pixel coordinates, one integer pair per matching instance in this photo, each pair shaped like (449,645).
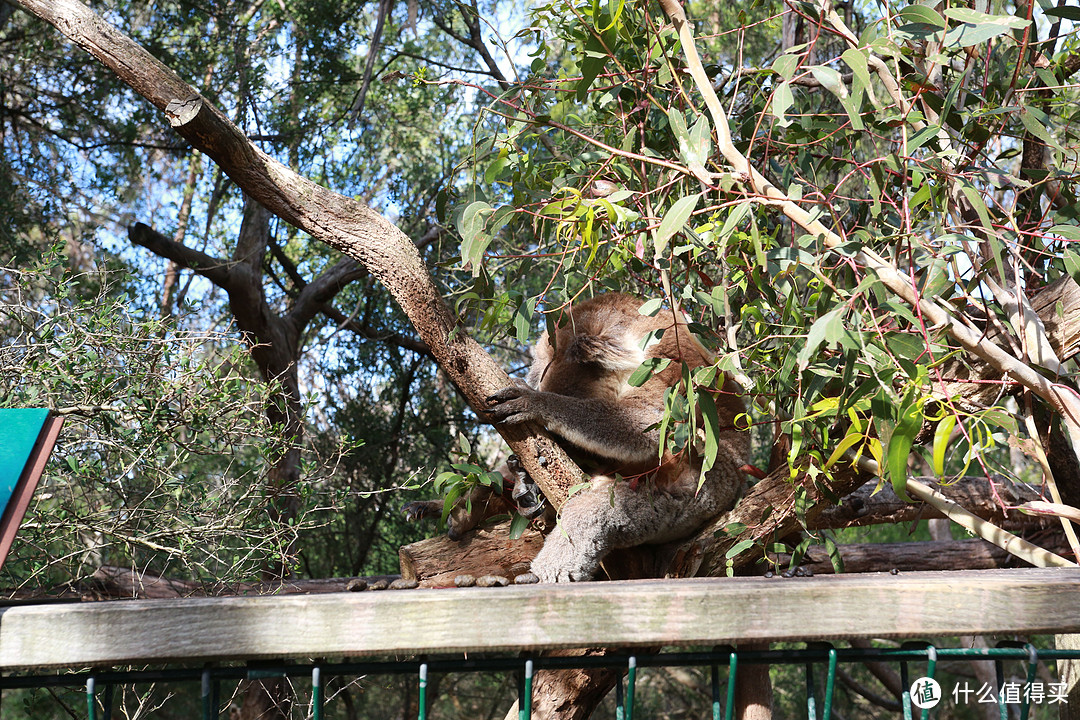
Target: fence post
(421,699)
(316,693)
(91,702)
(1069,673)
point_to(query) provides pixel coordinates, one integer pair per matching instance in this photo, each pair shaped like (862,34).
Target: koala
(577,388)
(524,498)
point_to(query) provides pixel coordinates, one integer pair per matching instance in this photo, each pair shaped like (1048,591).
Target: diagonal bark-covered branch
(341,222)
(324,288)
(213,269)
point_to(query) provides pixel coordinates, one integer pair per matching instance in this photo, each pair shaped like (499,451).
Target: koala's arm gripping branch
(605,429)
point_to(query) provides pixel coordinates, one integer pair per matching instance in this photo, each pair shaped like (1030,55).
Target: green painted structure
(27,436)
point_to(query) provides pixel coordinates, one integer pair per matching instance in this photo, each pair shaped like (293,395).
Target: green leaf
(472,219)
(678,125)
(922,14)
(646,370)
(920,138)
(980,207)
(908,346)
(736,216)
(1072,264)
(739,547)
(782,100)
(1068,12)
(1033,126)
(474,240)
(920,21)
(817,335)
(976,27)
(518,523)
(859,64)
(831,80)
(941,443)
(452,495)
(493,480)
(700,141)
(650,307)
(674,221)
(853,108)
(849,441)
(786,65)
(523,320)
(442,479)
(1001,419)
(591,65)
(903,436)
(495,169)
(712,431)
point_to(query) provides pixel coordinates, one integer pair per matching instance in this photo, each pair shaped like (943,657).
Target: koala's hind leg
(611,515)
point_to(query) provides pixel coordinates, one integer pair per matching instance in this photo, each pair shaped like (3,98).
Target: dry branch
(485,551)
(867,507)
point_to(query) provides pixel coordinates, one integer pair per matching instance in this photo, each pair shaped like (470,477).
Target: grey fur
(578,390)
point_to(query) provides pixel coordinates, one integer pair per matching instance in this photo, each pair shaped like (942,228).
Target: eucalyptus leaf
(674,220)
(782,100)
(976,27)
(831,80)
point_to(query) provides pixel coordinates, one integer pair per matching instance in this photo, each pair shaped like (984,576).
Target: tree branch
(369,65)
(341,222)
(324,288)
(213,269)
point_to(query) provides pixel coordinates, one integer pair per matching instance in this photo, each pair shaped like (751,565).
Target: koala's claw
(416,510)
(528,497)
(511,404)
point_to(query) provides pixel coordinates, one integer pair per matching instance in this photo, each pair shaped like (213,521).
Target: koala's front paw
(513,404)
(421,509)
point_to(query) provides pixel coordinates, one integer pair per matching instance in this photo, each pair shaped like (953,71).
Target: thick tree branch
(313,296)
(341,222)
(211,268)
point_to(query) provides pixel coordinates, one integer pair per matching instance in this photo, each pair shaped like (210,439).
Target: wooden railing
(645,613)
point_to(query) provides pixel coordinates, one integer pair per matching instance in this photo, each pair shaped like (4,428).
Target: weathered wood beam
(435,562)
(968,554)
(640,613)
(109,581)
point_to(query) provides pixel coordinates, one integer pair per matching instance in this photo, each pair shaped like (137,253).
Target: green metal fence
(818,658)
